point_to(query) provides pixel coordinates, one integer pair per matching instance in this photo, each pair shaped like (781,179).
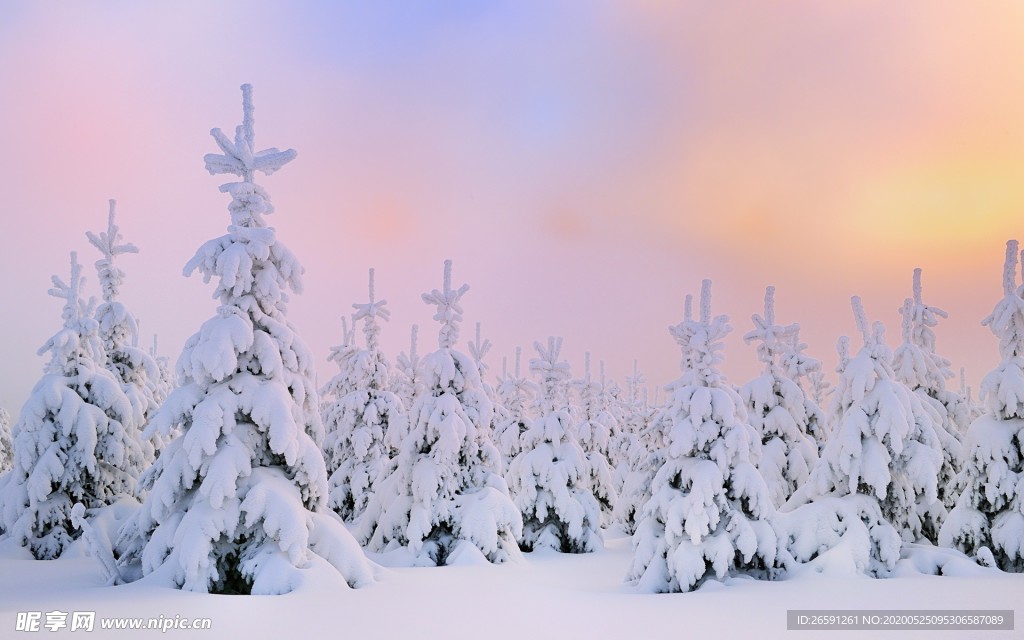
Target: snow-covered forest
(534,319)
(235,471)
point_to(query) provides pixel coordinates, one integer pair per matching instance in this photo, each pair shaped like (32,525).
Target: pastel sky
(585,164)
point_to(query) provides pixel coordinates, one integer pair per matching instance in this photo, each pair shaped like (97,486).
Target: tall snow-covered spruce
(988,519)
(75,440)
(640,449)
(917,365)
(777,409)
(362,410)
(514,392)
(806,372)
(709,509)
(403,383)
(875,483)
(444,497)
(594,432)
(478,350)
(238,503)
(550,478)
(135,369)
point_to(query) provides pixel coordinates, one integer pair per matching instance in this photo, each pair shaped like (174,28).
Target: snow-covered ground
(546,595)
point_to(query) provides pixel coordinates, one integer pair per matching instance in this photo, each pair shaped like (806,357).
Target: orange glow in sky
(585,164)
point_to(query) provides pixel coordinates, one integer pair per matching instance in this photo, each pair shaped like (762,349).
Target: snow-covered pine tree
(162,386)
(916,365)
(806,372)
(843,351)
(777,408)
(708,513)
(628,445)
(987,521)
(638,450)
(362,411)
(344,382)
(478,350)
(165,379)
(6,443)
(75,440)
(818,391)
(403,384)
(875,482)
(608,389)
(135,369)
(610,401)
(974,409)
(444,496)
(633,414)
(617,453)
(641,445)
(832,414)
(238,503)
(515,393)
(550,479)
(595,430)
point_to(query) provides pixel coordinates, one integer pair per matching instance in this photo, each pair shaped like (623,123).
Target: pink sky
(584,164)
